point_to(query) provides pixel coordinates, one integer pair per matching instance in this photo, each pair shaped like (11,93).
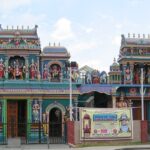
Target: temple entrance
(57,128)
(55,123)
(102,100)
(16,118)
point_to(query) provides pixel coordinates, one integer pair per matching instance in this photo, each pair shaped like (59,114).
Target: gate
(35,133)
(57,133)
(148,127)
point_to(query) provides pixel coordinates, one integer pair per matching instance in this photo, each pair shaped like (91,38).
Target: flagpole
(70,91)
(142,95)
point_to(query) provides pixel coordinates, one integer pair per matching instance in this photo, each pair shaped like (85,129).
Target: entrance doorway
(55,123)
(16,118)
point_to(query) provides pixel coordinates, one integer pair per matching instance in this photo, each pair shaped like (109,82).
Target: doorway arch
(55,122)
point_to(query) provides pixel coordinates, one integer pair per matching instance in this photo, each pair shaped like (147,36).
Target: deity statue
(2,66)
(127,71)
(25,70)
(136,77)
(55,72)
(33,70)
(35,112)
(88,78)
(95,77)
(75,76)
(148,76)
(15,69)
(45,72)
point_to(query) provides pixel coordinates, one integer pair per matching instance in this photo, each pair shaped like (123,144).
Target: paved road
(64,147)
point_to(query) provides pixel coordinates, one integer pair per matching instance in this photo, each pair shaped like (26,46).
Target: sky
(89,29)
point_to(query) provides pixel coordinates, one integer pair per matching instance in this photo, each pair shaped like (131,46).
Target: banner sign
(106,123)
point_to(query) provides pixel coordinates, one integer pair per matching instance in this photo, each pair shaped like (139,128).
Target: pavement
(65,146)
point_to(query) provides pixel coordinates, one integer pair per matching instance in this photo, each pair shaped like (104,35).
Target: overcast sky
(90,29)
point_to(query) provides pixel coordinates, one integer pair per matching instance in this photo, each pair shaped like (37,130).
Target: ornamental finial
(128,35)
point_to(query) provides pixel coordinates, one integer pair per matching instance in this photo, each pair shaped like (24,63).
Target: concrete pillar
(27,68)
(124,72)
(131,73)
(40,102)
(114,101)
(70,134)
(144,131)
(6,68)
(42,68)
(37,64)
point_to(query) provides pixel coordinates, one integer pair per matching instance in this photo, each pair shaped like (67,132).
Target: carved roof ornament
(114,60)
(128,35)
(123,42)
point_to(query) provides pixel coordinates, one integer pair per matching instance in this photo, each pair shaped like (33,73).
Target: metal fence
(53,132)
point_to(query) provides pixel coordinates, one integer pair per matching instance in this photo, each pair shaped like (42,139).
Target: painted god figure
(127,71)
(45,72)
(33,70)
(16,70)
(36,112)
(1,68)
(55,72)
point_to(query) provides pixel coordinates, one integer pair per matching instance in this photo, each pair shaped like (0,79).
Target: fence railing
(53,132)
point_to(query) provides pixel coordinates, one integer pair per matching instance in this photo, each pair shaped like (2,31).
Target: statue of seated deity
(55,72)
(16,70)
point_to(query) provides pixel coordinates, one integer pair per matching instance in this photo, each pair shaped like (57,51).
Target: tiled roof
(87,88)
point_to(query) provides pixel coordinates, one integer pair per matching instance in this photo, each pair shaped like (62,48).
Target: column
(37,63)
(131,73)
(76,109)
(29,117)
(4,116)
(114,97)
(42,65)
(40,102)
(6,65)
(27,68)
(114,101)
(124,72)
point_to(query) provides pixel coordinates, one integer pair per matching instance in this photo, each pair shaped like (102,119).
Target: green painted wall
(46,102)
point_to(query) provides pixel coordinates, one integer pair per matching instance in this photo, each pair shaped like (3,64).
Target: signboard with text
(108,123)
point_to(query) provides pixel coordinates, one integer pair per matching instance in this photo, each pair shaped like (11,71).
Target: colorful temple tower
(34,86)
(37,86)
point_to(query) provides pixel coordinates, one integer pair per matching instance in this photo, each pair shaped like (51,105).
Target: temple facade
(35,90)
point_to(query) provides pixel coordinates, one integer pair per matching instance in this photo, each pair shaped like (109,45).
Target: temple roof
(19,38)
(136,41)
(54,49)
(87,88)
(86,69)
(20,32)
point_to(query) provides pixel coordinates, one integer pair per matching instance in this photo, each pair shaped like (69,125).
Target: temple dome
(54,49)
